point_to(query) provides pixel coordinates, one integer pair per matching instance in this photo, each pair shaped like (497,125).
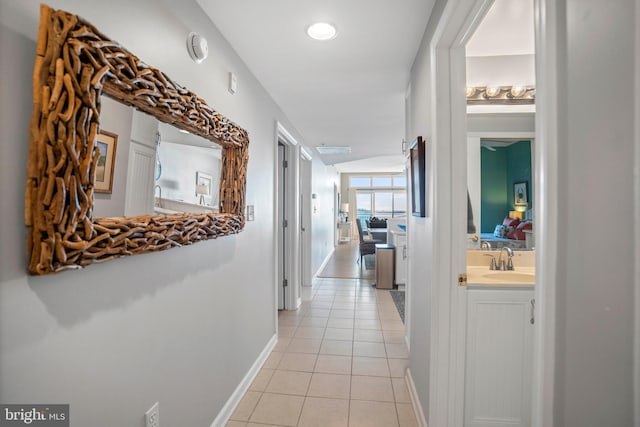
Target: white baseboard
(415,401)
(324,263)
(234,400)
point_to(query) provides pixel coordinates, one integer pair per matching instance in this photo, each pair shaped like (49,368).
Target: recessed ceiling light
(322,31)
(323,149)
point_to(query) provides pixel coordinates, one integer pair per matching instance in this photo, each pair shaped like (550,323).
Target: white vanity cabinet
(499,347)
(399,240)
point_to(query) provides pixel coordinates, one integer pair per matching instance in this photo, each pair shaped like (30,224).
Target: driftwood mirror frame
(75,64)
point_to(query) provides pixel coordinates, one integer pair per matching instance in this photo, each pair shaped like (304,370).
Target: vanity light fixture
(517,91)
(500,95)
(492,91)
(322,31)
(197,47)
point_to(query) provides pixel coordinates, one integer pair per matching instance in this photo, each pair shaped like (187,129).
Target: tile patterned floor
(340,361)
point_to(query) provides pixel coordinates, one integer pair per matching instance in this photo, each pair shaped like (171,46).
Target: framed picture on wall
(106,144)
(418,181)
(520,193)
(204,186)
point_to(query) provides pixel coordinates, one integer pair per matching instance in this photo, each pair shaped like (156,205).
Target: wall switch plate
(233,82)
(152,416)
(251,213)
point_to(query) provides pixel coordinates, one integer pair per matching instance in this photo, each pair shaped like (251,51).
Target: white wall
(501,70)
(323,178)
(115,118)
(420,235)
(594,323)
(180,163)
(182,326)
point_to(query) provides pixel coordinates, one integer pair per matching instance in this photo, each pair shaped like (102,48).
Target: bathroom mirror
(75,64)
(494,166)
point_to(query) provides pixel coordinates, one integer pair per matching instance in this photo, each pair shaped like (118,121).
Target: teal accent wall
(493,166)
(519,168)
(500,169)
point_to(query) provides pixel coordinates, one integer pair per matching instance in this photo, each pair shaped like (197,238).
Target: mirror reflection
(187,173)
(501,192)
(158,169)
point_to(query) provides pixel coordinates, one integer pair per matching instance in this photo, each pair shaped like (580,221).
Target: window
(360,181)
(400,181)
(382,196)
(399,203)
(381,204)
(381,181)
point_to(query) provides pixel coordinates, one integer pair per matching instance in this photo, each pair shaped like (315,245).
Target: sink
(510,276)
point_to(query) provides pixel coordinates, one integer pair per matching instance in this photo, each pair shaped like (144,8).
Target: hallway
(340,360)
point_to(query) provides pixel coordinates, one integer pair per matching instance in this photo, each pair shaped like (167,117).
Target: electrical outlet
(152,416)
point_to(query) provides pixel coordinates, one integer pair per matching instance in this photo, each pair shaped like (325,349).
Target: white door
(140,180)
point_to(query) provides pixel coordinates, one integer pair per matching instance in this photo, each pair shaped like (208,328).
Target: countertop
(479,275)
(482,276)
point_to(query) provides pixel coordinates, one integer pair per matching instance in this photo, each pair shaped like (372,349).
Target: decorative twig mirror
(74,65)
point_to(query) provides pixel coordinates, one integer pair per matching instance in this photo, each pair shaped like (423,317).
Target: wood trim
(75,64)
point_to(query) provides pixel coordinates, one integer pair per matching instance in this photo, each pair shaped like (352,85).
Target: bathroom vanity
(499,340)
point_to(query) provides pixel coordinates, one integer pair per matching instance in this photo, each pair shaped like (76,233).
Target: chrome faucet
(492,264)
(485,245)
(509,262)
(159,204)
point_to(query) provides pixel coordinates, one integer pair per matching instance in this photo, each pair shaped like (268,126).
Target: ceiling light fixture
(323,149)
(322,31)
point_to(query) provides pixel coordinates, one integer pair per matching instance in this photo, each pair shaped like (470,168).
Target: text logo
(34,415)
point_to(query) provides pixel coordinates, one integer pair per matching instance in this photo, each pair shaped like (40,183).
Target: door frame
(457,23)
(306,216)
(292,297)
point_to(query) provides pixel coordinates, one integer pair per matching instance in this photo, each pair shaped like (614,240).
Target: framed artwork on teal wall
(520,193)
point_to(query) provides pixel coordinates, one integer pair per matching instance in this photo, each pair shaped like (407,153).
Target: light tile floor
(340,361)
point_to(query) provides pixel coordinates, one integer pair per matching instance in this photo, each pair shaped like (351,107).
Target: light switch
(233,82)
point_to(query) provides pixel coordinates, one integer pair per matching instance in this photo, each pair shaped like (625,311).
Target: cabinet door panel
(498,362)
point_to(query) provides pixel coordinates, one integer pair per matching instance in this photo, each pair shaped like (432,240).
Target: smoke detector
(197,47)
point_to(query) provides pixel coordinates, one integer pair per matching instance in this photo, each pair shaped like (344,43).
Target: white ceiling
(350,90)
(346,91)
(506,29)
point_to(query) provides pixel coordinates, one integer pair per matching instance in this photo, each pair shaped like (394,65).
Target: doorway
(449,202)
(290,212)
